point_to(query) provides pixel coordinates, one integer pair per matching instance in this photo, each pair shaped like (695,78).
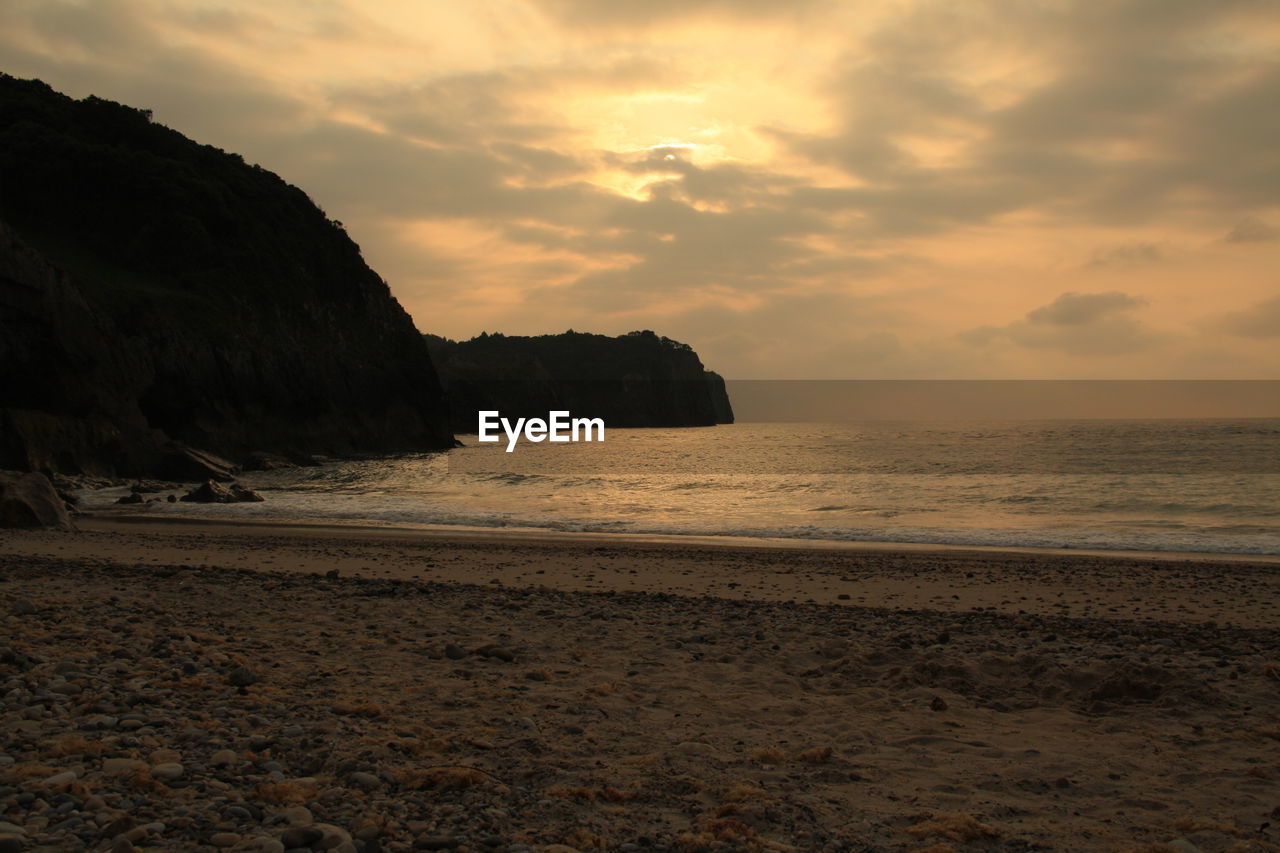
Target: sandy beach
(184,686)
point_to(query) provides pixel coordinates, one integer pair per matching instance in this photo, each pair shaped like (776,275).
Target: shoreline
(321,526)
(1184,589)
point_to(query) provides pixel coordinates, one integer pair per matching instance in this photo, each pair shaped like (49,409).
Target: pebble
(332,836)
(298,816)
(242,676)
(300,836)
(22,607)
(223,757)
(691,747)
(167,772)
(267,845)
(365,780)
(60,778)
(498,652)
(228,747)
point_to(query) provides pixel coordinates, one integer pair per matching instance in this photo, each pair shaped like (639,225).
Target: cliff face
(634,380)
(154,289)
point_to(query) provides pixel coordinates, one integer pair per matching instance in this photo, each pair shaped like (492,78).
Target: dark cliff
(155,290)
(633,380)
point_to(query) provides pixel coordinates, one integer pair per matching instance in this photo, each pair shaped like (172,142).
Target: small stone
(332,836)
(1182,845)
(436,842)
(123,845)
(167,772)
(121,766)
(502,654)
(239,813)
(454,652)
(938,704)
(11,844)
(119,826)
(223,757)
(267,845)
(365,780)
(166,756)
(224,839)
(693,747)
(298,816)
(242,676)
(22,607)
(60,778)
(300,836)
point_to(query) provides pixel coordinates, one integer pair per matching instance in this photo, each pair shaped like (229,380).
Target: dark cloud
(1252,230)
(948,120)
(1081,324)
(1260,321)
(1126,257)
(1129,115)
(1075,309)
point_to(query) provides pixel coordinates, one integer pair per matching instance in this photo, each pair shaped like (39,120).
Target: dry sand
(442,690)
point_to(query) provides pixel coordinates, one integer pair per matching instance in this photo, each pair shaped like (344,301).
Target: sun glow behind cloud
(812,189)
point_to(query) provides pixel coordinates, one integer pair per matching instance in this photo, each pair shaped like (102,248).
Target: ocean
(1208,486)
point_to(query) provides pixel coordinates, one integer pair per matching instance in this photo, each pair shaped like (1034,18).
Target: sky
(1028,189)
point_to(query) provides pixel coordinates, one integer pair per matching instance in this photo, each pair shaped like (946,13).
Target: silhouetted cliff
(634,380)
(153,289)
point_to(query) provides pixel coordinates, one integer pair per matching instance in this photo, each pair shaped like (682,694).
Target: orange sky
(1054,189)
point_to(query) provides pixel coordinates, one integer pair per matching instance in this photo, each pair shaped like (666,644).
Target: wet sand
(449,690)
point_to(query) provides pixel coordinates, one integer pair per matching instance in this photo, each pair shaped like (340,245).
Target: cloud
(792,187)
(1260,321)
(1252,230)
(1076,309)
(1126,257)
(1080,324)
(613,14)
(1112,113)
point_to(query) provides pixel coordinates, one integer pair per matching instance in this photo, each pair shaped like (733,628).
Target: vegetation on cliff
(153,289)
(633,380)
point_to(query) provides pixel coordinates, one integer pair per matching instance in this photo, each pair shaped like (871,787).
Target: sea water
(1164,485)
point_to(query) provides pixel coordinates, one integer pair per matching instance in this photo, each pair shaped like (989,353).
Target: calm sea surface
(1177,485)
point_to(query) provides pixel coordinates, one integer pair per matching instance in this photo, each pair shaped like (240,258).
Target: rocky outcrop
(213,492)
(634,380)
(719,398)
(29,500)
(165,307)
